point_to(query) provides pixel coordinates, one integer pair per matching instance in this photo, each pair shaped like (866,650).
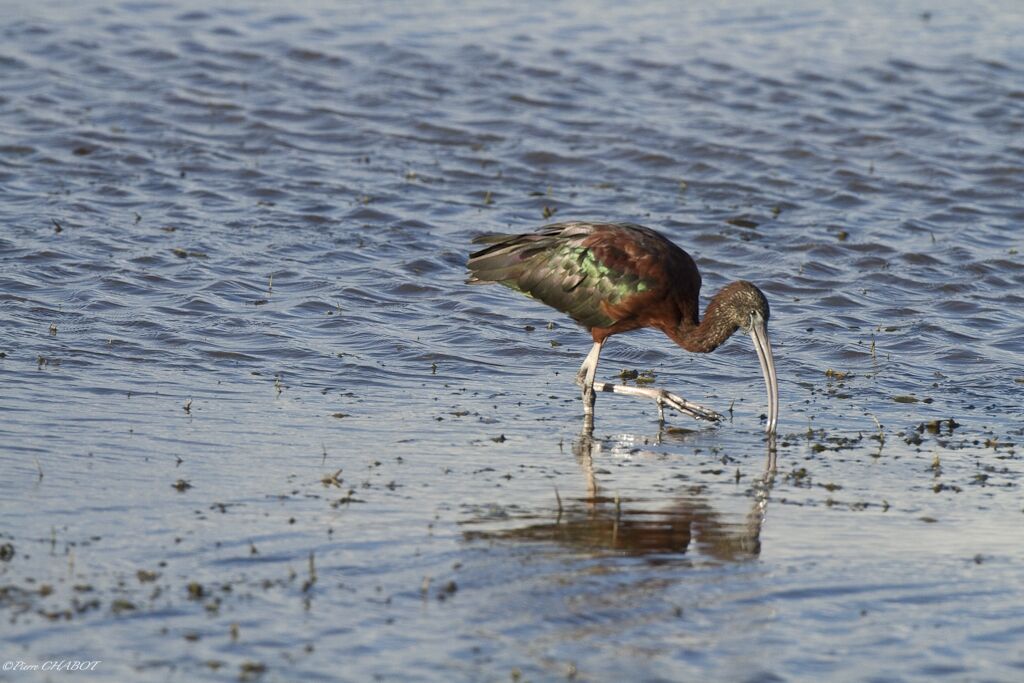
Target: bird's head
(745,306)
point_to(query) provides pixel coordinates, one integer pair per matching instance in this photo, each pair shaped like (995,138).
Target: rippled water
(255,426)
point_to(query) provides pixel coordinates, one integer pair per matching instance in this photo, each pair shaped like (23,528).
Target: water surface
(255,426)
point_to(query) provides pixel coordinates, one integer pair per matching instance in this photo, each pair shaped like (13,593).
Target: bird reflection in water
(689,523)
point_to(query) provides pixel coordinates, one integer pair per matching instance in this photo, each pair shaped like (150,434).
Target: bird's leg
(585,378)
(663,398)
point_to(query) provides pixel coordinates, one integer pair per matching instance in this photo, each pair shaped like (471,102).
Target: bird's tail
(506,259)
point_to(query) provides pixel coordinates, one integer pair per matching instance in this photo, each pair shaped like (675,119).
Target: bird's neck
(709,333)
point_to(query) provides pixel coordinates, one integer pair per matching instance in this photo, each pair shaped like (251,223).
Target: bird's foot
(663,398)
(690,408)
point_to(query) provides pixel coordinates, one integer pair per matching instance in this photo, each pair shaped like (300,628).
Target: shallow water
(255,426)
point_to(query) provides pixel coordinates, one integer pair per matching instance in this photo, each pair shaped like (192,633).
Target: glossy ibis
(617,277)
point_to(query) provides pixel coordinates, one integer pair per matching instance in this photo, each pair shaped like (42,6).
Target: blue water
(254,425)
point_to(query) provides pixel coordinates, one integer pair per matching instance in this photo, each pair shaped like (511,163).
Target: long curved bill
(759,333)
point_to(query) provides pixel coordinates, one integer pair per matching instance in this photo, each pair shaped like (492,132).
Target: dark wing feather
(589,271)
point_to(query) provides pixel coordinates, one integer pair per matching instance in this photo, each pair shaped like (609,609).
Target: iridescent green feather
(556,267)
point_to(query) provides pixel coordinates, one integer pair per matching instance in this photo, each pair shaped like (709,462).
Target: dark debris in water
(185,253)
(147,576)
(333,479)
(250,671)
(938,426)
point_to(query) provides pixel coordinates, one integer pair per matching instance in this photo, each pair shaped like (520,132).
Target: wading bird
(617,277)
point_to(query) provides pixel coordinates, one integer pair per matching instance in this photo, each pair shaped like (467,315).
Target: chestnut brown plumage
(617,277)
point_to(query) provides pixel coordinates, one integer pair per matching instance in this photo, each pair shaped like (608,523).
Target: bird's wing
(585,270)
